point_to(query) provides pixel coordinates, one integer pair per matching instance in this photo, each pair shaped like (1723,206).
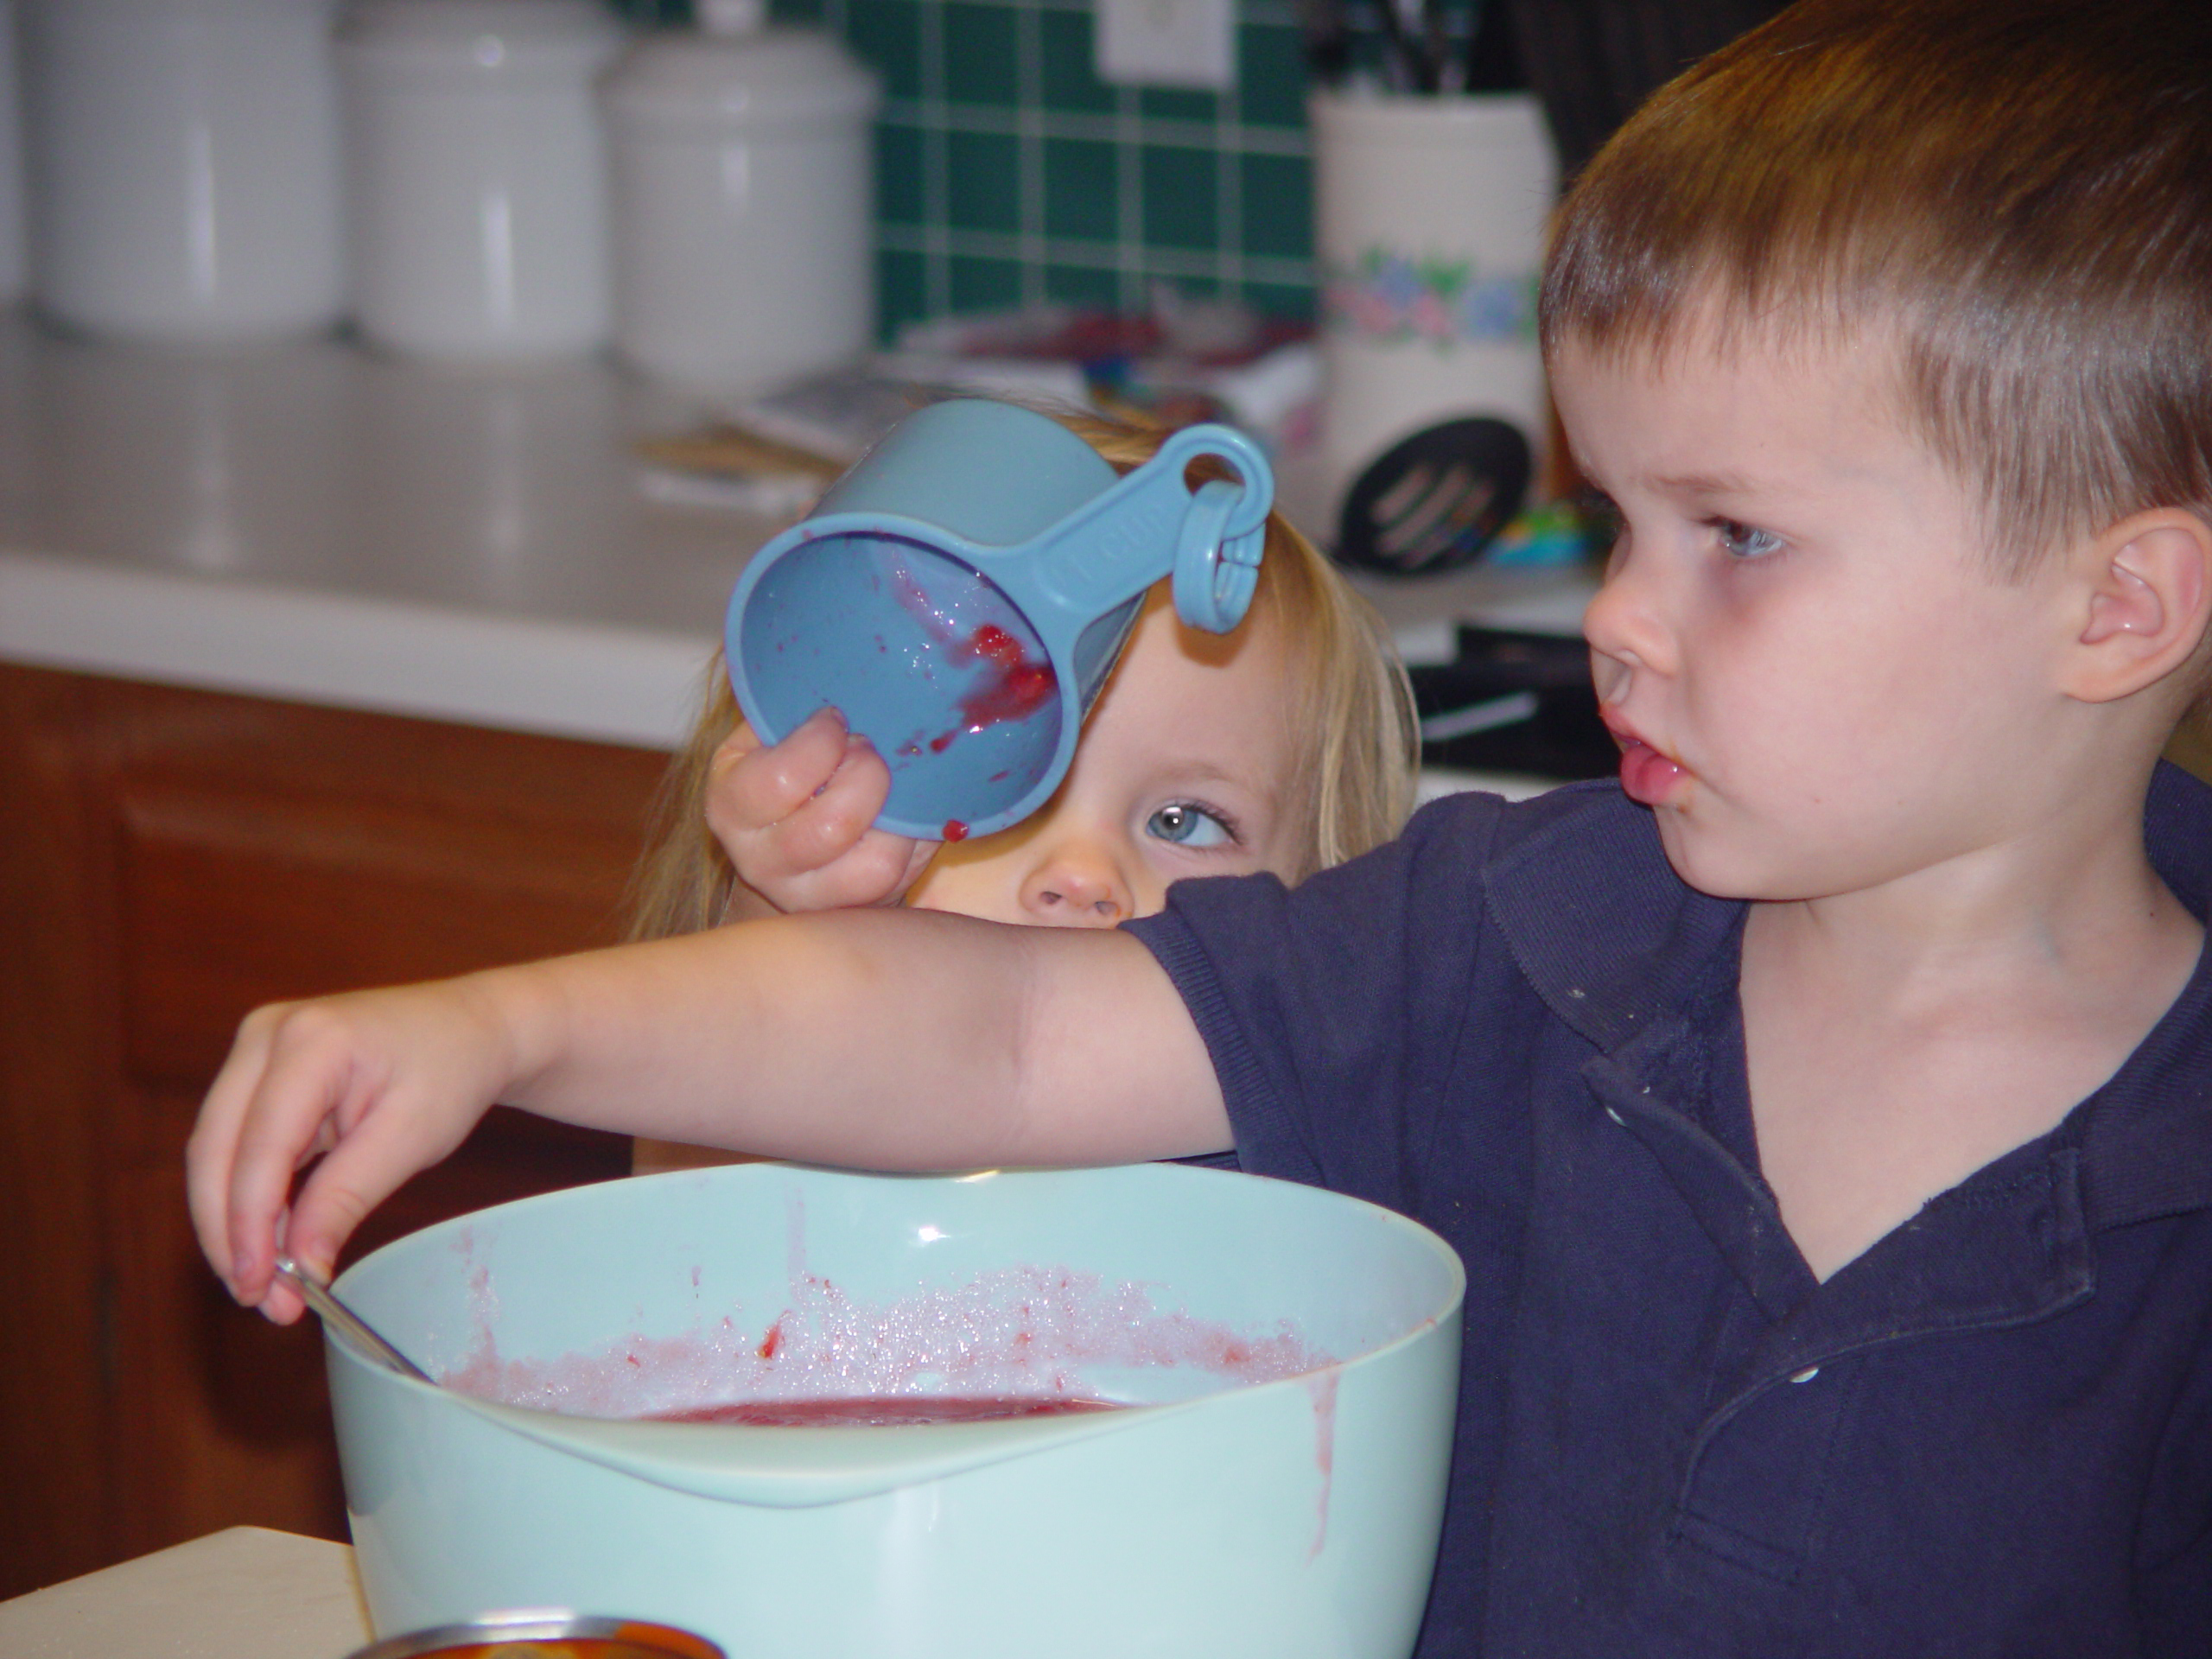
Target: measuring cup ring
(1198,594)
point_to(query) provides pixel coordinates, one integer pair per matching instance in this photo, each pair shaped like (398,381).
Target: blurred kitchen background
(385,416)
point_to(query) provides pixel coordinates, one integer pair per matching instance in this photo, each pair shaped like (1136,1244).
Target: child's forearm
(897,1039)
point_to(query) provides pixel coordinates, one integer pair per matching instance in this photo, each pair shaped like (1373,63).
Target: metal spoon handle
(319,1297)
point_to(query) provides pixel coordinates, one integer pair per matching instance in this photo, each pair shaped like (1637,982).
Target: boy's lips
(1647,775)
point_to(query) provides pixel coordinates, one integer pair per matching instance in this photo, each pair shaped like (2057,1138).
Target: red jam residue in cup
(1017,686)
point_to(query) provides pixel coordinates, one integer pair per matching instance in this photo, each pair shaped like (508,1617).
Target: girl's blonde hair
(1349,702)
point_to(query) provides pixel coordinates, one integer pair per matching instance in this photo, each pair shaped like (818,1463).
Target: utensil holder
(1428,227)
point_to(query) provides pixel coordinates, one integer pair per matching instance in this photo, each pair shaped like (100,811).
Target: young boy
(1826,1122)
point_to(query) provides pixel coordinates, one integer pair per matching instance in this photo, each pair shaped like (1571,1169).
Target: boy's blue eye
(1741,540)
(1188,826)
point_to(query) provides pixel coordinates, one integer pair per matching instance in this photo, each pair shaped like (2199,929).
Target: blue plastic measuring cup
(963,593)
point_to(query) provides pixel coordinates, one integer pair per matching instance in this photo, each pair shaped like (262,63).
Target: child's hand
(384,1082)
(795,819)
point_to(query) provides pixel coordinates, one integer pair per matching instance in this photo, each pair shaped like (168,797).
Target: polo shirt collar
(2146,1138)
(1601,926)
(1618,947)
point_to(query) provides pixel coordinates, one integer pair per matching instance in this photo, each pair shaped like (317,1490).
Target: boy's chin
(1717,871)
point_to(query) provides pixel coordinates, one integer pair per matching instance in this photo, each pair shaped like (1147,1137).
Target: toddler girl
(1286,746)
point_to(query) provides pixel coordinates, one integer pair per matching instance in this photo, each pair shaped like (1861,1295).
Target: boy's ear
(2150,597)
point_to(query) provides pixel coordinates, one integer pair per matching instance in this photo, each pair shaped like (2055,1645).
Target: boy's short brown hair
(2020,189)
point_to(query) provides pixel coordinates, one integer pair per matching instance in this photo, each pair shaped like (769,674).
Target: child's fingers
(831,822)
(750,787)
(289,1115)
(213,1148)
(728,755)
(366,1167)
(382,1084)
(878,871)
(802,836)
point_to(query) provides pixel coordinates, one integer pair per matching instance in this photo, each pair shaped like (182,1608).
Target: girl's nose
(1078,884)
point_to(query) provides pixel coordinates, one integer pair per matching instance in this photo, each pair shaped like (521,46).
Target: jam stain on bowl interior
(878,1411)
(1009,1343)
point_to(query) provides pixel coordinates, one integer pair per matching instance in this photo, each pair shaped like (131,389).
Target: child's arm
(796,820)
(895,1040)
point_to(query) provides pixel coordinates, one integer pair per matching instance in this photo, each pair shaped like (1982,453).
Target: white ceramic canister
(182,167)
(1428,227)
(477,175)
(742,202)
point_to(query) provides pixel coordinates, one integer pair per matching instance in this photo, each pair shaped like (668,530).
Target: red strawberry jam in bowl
(799,1410)
(878,1410)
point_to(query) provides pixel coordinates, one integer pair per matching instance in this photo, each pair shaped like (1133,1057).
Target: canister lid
(229,11)
(770,76)
(492,41)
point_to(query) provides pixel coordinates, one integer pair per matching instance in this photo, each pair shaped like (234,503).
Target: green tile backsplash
(1008,173)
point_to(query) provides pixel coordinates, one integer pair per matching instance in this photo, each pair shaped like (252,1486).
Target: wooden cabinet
(168,859)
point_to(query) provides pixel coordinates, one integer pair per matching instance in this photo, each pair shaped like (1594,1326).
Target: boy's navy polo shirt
(1992,1433)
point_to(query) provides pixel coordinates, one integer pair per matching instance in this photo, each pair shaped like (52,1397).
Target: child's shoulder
(1595,807)
(2177,834)
(1575,884)
(1569,838)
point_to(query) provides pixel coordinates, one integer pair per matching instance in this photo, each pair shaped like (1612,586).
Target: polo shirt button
(1806,1375)
(1617,1117)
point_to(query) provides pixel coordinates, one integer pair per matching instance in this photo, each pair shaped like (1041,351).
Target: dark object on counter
(1459,46)
(1589,61)
(1592,61)
(544,1633)
(1434,500)
(1514,702)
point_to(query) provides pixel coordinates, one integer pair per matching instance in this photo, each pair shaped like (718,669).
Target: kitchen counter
(315,524)
(246,1592)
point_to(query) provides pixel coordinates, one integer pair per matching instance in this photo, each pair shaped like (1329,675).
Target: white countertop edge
(557,679)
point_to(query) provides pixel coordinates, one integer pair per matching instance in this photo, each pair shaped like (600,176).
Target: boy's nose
(1078,884)
(1624,627)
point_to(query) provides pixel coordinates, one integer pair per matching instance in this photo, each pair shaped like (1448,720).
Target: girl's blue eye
(1741,540)
(1188,826)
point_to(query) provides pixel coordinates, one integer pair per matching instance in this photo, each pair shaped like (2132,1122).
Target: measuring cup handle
(1151,524)
(1218,556)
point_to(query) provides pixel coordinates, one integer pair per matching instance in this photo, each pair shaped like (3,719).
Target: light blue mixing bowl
(1283,1519)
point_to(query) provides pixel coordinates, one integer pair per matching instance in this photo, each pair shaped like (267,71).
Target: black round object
(1435,500)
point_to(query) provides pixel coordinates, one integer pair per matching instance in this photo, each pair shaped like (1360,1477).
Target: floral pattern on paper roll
(1389,298)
